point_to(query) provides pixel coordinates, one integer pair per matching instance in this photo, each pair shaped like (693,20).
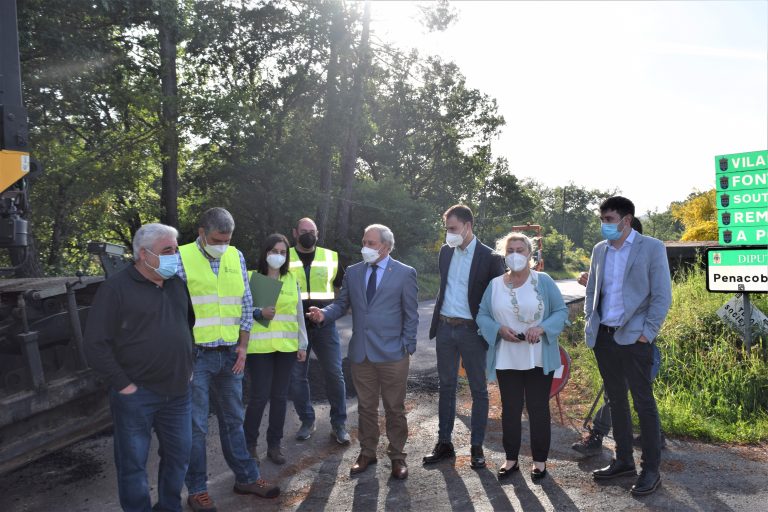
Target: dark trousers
(454,342)
(325,343)
(270,376)
(630,366)
(602,420)
(529,388)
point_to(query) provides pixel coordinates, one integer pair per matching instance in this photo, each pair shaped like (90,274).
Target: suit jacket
(385,329)
(647,291)
(486,265)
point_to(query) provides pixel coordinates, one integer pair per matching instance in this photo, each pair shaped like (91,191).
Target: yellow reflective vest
(321,274)
(216,300)
(282,332)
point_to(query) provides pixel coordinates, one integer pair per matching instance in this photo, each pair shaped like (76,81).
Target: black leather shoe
(648,482)
(538,474)
(441,451)
(478,457)
(505,472)
(615,470)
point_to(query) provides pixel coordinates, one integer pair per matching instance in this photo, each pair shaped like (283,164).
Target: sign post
(741,181)
(734,312)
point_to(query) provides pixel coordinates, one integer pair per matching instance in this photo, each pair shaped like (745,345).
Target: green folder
(265,291)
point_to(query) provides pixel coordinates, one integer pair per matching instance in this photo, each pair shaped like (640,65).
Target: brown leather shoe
(399,469)
(361,464)
(260,488)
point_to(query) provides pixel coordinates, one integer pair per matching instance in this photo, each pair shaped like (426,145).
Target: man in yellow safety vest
(217,281)
(319,274)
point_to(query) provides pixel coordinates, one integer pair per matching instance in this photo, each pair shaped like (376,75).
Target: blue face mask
(610,231)
(169,263)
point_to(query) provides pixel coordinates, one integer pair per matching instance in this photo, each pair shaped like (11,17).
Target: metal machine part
(49,397)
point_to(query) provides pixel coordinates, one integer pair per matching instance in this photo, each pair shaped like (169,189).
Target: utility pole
(562,232)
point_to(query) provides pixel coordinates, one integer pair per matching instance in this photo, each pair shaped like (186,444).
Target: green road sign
(741,180)
(737,269)
(754,198)
(730,217)
(740,162)
(756,235)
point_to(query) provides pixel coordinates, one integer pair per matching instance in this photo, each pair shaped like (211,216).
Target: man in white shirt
(629,293)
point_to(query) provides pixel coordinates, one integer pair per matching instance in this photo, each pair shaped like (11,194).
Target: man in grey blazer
(629,293)
(383,296)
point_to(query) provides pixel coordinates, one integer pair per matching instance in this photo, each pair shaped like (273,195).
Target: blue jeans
(327,346)
(213,374)
(270,375)
(454,342)
(134,416)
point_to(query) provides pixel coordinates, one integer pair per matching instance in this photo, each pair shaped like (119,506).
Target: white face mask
(453,239)
(275,261)
(516,261)
(215,251)
(369,255)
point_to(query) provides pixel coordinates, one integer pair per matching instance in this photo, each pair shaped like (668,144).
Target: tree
(698,213)
(571,210)
(662,225)
(167,22)
(150,109)
(437,16)
(330,119)
(352,146)
(505,202)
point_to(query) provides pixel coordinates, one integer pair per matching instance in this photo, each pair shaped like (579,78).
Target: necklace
(516,304)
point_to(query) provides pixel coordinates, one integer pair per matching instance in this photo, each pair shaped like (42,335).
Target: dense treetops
(253,105)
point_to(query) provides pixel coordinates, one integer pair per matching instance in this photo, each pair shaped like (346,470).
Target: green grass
(708,388)
(563,274)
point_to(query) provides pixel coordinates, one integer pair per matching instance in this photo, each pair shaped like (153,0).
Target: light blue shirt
(381,267)
(611,297)
(456,301)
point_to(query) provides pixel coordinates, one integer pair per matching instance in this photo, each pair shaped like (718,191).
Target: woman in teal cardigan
(521,316)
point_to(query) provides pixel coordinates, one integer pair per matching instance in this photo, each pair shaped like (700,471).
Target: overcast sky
(635,95)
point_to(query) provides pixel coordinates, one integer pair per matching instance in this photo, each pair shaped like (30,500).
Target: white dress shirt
(611,298)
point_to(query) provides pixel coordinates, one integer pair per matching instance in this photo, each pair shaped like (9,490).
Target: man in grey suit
(629,293)
(383,295)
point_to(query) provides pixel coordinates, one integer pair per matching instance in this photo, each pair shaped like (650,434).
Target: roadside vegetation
(707,388)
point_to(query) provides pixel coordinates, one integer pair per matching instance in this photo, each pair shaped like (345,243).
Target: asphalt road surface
(695,476)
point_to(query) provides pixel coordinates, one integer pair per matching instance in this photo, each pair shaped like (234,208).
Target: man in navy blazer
(629,293)
(466,267)
(383,296)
